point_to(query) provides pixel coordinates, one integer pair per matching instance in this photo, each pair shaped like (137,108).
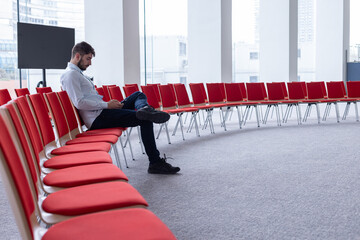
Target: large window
(354,54)
(63,13)
(245,33)
(306,40)
(163,43)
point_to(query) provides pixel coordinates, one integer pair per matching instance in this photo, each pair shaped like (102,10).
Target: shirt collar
(74,67)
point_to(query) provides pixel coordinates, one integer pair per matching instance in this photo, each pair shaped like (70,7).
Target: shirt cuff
(104,105)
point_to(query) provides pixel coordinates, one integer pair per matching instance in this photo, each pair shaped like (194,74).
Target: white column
(346,37)
(278,40)
(131,41)
(104,31)
(112,28)
(330,39)
(209,41)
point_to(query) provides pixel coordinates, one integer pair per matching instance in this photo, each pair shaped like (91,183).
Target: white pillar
(330,39)
(131,41)
(104,31)
(209,41)
(112,28)
(278,40)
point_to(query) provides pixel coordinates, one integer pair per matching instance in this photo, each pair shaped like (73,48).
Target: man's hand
(113,104)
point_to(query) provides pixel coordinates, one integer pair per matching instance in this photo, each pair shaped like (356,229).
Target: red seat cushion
(122,224)
(91,139)
(82,175)
(86,147)
(106,131)
(93,198)
(77,159)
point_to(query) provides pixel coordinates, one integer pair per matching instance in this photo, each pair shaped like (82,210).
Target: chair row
(68,187)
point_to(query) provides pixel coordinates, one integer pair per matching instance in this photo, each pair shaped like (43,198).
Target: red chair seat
(93,198)
(106,131)
(78,159)
(125,224)
(92,139)
(82,175)
(77,148)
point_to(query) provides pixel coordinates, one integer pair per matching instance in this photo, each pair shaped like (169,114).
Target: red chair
(170,106)
(41,91)
(296,93)
(133,85)
(58,162)
(353,90)
(67,135)
(115,93)
(128,90)
(101,92)
(200,101)
(157,91)
(22,92)
(64,178)
(134,223)
(106,92)
(243,90)
(4,96)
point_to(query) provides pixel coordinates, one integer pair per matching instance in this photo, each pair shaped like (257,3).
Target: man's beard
(81,65)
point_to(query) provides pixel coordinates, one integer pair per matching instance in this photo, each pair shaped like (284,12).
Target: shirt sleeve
(71,83)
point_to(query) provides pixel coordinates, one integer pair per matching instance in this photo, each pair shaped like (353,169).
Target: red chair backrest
(42,118)
(128,90)
(296,90)
(22,92)
(315,90)
(115,93)
(182,95)
(156,90)
(57,113)
(243,89)
(214,92)
(133,85)
(233,92)
(4,96)
(255,91)
(336,89)
(172,89)
(275,91)
(100,91)
(285,91)
(30,124)
(353,88)
(41,91)
(11,162)
(69,110)
(197,93)
(151,96)
(106,92)
(303,85)
(167,97)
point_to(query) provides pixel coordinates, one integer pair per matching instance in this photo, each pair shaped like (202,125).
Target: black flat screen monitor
(44,47)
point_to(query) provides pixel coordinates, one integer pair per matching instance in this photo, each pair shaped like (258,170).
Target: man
(99,114)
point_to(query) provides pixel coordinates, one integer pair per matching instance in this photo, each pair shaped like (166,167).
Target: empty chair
(22,92)
(106,92)
(156,90)
(353,90)
(115,93)
(41,91)
(216,100)
(4,96)
(130,89)
(133,85)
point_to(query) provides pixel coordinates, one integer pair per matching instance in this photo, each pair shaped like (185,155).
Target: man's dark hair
(83,48)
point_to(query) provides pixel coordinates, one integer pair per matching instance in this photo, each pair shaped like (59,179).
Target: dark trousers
(126,117)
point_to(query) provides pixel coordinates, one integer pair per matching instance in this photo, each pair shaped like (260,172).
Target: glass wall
(354,54)
(163,41)
(245,34)
(306,40)
(63,13)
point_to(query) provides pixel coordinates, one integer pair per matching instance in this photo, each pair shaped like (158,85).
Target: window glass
(245,34)
(163,41)
(62,13)
(354,54)
(306,40)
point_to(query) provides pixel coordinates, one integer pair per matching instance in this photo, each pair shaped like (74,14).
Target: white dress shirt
(82,93)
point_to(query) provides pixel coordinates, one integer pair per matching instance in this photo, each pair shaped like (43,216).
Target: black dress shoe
(162,167)
(150,114)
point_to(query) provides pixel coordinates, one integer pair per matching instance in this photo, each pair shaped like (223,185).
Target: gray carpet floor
(288,182)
